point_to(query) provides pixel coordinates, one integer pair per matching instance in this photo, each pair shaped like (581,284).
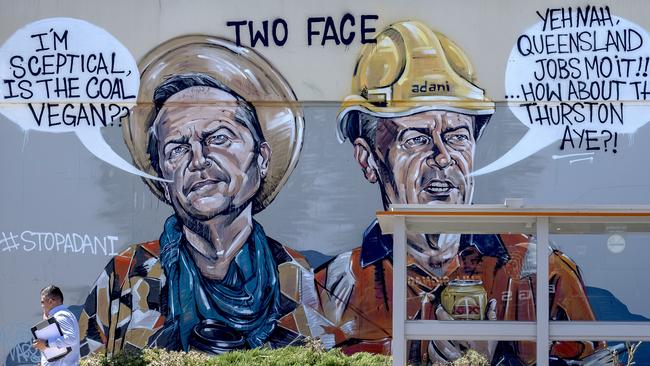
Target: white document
(48,329)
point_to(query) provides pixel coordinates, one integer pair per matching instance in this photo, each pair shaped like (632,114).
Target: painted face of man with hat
(215,163)
(207,143)
(414,128)
(421,159)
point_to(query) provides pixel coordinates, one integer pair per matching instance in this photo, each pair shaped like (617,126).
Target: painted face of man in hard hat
(414,117)
(425,158)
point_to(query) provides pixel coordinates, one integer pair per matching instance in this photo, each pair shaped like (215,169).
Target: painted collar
(377,246)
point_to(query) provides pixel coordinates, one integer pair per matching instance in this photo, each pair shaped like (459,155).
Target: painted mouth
(439,187)
(203,183)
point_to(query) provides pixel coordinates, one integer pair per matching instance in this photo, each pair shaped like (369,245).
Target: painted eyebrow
(454,129)
(206,134)
(184,140)
(425,131)
(422,130)
(179,140)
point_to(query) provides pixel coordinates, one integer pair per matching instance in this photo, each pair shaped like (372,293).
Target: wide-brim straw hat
(244,71)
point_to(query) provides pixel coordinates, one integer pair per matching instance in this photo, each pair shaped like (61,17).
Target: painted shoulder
(523,253)
(336,280)
(293,269)
(137,260)
(124,305)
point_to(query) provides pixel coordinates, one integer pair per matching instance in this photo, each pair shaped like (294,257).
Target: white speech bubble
(67,75)
(577,77)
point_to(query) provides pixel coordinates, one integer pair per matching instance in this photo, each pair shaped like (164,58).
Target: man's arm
(569,302)
(335,283)
(69,330)
(355,301)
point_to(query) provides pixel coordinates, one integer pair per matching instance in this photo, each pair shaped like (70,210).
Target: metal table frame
(477,219)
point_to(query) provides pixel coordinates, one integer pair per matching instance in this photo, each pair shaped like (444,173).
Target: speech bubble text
(67,75)
(578,78)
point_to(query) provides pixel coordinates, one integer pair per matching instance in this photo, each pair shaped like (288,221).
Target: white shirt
(70,338)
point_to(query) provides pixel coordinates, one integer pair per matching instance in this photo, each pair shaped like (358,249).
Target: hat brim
(404,109)
(245,72)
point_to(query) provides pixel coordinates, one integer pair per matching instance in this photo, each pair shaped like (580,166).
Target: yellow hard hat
(411,69)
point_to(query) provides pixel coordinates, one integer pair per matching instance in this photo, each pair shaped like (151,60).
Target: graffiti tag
(66,243)
(23,354)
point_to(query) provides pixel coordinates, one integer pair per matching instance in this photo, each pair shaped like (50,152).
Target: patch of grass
(471,358)
(287,356)
(311,355)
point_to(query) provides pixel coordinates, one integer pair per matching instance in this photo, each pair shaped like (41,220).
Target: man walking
(52,305)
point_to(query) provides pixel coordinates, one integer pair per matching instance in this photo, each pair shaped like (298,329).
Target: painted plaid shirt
(127,304)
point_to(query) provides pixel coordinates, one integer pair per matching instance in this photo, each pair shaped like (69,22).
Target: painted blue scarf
(246,300)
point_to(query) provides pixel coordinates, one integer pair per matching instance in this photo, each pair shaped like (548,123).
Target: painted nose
(199,162)
(440,157)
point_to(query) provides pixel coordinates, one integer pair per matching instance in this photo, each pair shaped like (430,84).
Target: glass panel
(496,352)
(601,353)
(613,268)
(471,277)
(561,353)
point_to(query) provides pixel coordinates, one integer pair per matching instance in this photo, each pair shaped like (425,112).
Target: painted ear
(264,158)
(363,154)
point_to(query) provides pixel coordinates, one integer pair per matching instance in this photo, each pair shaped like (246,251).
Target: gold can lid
(465,283)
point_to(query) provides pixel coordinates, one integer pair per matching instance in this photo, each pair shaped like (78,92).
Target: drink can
(465,299)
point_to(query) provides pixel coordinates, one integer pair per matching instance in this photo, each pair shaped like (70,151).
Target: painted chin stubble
(225,188)
(433,249)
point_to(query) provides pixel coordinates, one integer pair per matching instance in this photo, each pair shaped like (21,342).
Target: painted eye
(417,141)
(178,151)
(457,139)
(217,140)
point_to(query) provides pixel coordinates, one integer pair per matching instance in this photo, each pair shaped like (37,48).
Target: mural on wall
(413,119)
(217,122)
(215,131)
